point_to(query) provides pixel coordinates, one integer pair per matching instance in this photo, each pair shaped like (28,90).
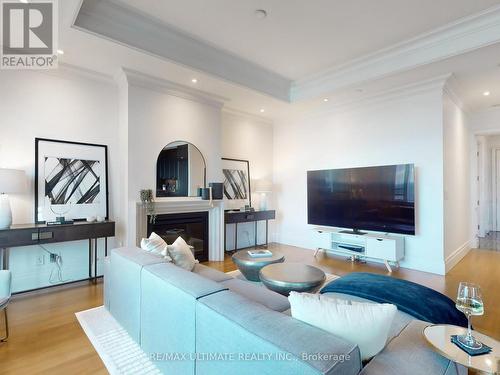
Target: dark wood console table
(39,234)
(236,217)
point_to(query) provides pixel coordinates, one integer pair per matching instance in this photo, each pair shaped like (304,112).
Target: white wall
(457,209)
(251,139)
(57,105)
(157,118)
(404,129)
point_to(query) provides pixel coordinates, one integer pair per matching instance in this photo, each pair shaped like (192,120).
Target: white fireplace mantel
(215,211)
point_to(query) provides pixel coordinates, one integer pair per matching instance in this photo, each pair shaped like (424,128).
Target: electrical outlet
(40,260)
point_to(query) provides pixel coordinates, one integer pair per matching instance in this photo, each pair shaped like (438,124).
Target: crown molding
(249,116)
(350,104)
(130,27)
(74,72)
(146,81)
(464,35)
(453,90)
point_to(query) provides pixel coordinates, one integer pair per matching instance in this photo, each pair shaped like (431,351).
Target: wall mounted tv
(371,198)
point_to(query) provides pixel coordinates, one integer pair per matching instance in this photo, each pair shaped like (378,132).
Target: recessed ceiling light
(260,13)
(60,52)
(486,93)
(262,110)
(194,80)
(23,1)
(325,100)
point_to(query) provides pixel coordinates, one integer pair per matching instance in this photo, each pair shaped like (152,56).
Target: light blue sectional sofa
(206,322)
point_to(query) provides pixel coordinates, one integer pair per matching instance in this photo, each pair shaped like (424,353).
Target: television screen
(371,198)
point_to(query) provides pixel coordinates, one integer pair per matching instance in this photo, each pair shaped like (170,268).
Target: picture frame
(71,180)
(237,187)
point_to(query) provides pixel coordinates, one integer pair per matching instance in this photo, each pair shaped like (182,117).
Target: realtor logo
(29,34)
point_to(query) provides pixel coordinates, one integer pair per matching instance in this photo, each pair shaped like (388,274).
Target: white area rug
(119,352)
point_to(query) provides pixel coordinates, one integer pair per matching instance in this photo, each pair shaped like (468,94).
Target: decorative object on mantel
(217,190)
(206,194)
(264,187)
(70,178)
(236,183)
(11,181)
(148,202)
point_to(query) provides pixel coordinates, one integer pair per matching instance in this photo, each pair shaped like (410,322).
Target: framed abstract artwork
(71,180)
(236,174)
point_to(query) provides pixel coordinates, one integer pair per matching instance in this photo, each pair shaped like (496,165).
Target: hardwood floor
(46,337)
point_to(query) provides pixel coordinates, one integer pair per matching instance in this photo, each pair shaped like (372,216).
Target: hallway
(490,242)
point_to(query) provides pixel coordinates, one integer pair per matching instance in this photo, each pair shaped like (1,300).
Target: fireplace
(192,226)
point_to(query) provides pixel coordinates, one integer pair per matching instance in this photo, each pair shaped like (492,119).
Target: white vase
(5,212)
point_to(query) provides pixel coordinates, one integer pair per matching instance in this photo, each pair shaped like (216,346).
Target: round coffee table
(438,337)
(286,277)
(250,266)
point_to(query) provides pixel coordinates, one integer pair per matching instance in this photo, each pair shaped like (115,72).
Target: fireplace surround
(187,205)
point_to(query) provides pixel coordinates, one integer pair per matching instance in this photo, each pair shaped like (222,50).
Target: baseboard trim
(455,257)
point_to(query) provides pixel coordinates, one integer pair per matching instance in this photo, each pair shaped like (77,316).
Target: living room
(304,187)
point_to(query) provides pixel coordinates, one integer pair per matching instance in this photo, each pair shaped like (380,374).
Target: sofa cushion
(266,342)
(365,324)
(211,273)
(409,354)
(169,296)
(258,293)
(123,286)
(401,319)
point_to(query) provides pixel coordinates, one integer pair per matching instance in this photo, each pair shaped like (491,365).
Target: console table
(238,217)
(39,234)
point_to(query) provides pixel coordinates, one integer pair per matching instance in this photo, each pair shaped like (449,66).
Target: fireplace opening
(192,227)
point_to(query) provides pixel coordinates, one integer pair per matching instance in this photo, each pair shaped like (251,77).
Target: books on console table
(259,253)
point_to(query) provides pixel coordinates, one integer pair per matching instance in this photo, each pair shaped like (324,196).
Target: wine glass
(469,301)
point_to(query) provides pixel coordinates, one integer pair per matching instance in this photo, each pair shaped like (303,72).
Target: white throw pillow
(155,245)
(364,324)
(181,254)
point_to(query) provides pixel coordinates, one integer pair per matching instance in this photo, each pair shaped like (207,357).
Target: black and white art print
(71,180)
(237,192)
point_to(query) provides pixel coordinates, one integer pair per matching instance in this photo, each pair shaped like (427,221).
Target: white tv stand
(370,245)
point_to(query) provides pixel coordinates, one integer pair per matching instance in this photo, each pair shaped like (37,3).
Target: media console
(385,247)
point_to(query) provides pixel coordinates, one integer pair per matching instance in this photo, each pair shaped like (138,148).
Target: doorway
(488,191)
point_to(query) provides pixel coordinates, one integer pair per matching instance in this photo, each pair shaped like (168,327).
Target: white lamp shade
(264,186)
(12,181)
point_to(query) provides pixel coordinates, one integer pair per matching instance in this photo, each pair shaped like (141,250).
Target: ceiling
(476,70)
(302,37)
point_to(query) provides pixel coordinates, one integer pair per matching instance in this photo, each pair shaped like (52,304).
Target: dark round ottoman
(250,266)
(286,277)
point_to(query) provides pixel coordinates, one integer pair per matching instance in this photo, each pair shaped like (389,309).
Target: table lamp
(263,187)
(11,181)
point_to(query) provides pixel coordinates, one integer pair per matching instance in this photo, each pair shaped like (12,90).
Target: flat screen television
(371,198)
